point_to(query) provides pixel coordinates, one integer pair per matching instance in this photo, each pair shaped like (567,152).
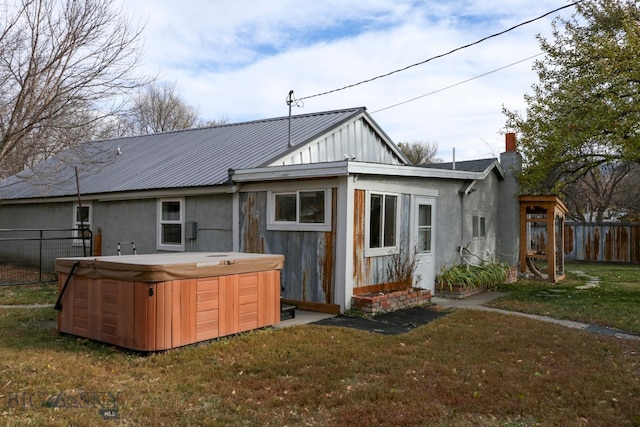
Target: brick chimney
(510,142)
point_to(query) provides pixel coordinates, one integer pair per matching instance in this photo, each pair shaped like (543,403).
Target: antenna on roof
(290,101)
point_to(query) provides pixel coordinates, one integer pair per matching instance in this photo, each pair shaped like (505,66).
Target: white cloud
(239,59)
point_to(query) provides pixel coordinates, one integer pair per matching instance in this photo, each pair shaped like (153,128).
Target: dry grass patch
(468,368)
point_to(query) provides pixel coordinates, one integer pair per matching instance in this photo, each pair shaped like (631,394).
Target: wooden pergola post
(537,209)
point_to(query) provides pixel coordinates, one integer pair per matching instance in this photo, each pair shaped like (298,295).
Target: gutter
(345,168)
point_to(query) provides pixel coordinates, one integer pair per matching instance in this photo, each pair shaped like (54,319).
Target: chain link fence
(28,256)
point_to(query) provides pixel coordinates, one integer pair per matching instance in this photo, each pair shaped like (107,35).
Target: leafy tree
(420,152)
(583,115)
(62,65)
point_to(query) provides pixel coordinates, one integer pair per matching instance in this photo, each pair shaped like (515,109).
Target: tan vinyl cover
(163,267)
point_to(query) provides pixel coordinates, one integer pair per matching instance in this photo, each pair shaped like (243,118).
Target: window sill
(171,248)
(381,251)
(299,227)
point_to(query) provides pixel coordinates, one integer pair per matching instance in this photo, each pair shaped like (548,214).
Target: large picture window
(382,223)
(171,224)
(300,210)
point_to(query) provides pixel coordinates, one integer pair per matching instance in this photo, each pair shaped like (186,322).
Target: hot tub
(161,301)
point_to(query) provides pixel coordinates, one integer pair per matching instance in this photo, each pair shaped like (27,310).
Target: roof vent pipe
(289,102)
(453,164)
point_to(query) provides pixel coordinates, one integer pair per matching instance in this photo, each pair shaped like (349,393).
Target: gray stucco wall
(136,221)
(483,202)
(509,230)
(42,215)
(214,217)
(132,221)
(454,217)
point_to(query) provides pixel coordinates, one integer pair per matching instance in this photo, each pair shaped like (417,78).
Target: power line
(456,84)
(443,54)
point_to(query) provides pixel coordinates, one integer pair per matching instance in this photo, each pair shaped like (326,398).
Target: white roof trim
(129,195)
(346,167)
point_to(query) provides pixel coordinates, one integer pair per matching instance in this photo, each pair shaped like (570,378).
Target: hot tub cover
(163,267)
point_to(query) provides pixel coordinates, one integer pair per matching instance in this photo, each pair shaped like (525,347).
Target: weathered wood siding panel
(602,242)
(308,273)
(369,271)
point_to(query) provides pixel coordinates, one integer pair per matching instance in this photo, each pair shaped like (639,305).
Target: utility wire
(443,54)
(456,84)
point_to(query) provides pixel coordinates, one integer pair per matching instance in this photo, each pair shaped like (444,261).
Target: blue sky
(239,59)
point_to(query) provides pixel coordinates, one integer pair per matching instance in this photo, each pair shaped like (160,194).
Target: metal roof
(479,165)
(188,158)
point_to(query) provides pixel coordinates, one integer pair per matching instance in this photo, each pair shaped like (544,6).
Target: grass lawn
(614,303)
(468,368)
(46,293)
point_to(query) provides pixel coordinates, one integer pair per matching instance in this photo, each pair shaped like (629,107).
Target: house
(329,190)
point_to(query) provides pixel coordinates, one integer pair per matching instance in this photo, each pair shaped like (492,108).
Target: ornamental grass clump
(473,276)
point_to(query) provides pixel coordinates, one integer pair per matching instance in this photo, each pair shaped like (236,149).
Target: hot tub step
(287,311)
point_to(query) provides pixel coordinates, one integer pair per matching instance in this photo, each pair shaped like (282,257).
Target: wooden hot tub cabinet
(162,301)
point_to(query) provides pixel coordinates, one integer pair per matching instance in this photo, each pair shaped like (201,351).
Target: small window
(424,228)
(478,226)
(171,224)
(300,210)
(383,224)
(81,222)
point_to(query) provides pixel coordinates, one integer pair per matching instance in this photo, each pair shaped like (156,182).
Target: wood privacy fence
(602,242)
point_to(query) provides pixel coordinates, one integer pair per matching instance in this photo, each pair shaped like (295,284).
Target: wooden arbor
(542,236)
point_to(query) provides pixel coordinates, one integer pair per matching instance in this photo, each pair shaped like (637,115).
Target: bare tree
(63,66)
(160,108)
(214,122)
(420,152)
(609,192)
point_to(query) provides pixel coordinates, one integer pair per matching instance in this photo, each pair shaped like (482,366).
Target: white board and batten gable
(357,139)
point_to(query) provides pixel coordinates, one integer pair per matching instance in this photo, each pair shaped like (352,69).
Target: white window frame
(429,227)
(296,225)
(75,224)
(160,222)
(478,227)
(385,250)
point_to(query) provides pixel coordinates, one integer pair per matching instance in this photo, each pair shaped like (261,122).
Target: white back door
(423,236)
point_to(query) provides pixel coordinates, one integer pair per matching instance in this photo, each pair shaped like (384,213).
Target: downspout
(461,226)
(466,189)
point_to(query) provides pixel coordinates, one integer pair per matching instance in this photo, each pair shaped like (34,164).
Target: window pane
(482,231)
(424,240)
(390,220)
(171,211)
(285,207)
(312,207)
(82,214)
(475,226)
(375,221)
(424,215)
(171,234)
